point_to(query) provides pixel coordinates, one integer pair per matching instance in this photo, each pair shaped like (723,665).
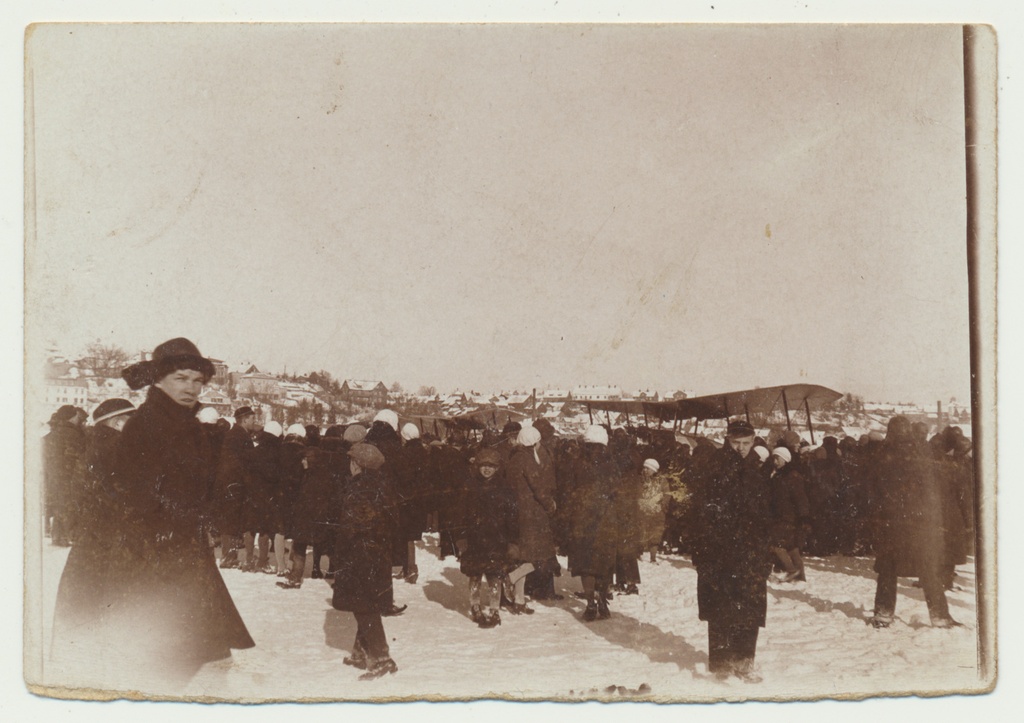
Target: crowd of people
(150,498)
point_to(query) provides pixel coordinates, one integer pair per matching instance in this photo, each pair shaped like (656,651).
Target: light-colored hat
(596,434)
(354,433)
(389,417)
(783,454)
(208,415)
(410,431)
(273,428)
(528,436)
(763,452)
(652,464)
(296,430)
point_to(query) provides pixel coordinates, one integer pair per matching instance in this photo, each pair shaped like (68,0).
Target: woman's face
(183,386)
(487,471)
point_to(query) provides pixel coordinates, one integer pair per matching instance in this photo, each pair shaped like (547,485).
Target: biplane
(760,401)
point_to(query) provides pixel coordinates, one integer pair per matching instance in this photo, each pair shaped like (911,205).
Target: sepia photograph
(461,361)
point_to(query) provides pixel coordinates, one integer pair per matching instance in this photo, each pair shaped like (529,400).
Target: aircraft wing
(758,401)
(728,404)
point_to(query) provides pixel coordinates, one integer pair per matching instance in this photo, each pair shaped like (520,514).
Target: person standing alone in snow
(731,552)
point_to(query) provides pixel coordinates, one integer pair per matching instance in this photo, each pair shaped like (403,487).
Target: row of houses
(75,383)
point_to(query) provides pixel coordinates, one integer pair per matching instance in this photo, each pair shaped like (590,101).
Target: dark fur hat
(170,356)
(739,428)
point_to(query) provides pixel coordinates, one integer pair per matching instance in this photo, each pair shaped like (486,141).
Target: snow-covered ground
(816,643)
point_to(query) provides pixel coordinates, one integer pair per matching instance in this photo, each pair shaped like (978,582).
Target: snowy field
(653,648)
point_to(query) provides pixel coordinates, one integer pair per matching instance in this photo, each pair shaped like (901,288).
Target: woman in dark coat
(790,515)
(410,469)
(731,551)
(89,582)
(909,525)
(491,528)
(174,612)
(362,580)
(531,474)
(593,522)
(627,512)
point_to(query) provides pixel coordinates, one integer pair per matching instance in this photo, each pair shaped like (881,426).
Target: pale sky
(493,207)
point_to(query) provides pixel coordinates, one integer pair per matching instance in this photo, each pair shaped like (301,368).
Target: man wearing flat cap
(731,552)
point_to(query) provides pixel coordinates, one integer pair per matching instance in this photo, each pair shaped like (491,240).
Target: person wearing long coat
(262,498)
(63,447)
(314,514)
(790,515)
(731,552)
(449,479)
(491,527)
(410,470)
(174,611)
(954,475)
(594,523)
(627,512)
(909,525)
(89,581)
(652,508)
(362,580)
(531,473)
(234,468)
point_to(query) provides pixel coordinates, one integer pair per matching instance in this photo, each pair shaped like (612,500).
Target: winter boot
(380,669)
(590,614)
(880,620)
(520,609)
(631,589)
(489,620)
(355,661)
(358,657)
(603,613)
(476,614)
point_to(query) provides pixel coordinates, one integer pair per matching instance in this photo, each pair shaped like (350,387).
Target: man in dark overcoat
(731,552)
(234,467)
(362,582)
(262,497)
(62,448)
(175,612)
(909,532)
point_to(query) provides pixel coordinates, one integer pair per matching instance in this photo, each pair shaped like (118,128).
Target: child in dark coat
(491,527)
